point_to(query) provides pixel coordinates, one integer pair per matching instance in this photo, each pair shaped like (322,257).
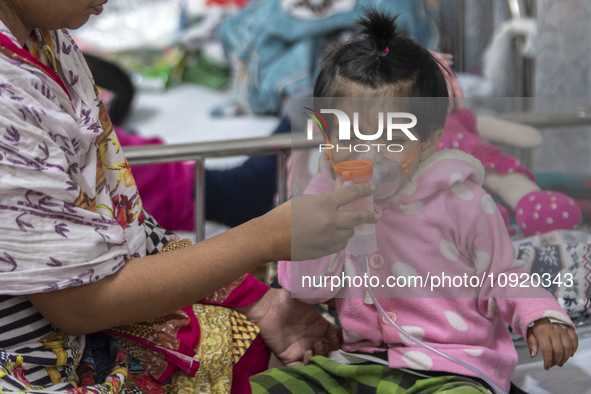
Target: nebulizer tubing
(364,242)
(365,270)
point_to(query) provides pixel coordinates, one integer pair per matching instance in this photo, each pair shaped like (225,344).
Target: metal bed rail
(281,145)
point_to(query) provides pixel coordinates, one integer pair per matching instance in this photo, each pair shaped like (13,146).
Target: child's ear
(430,144)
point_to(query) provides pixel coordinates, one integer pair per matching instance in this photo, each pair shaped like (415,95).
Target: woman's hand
(294,331)
(558,342)
(317,227)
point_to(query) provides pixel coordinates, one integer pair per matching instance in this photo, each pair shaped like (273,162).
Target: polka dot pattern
(416,332)
(352,337)
(403,269)
(412,208)
(474,352)
(455,178)
(492,307)
(410,188)
(456,321)
(516,321)
(417,360)
(462,191)
(333,263)
(488,205)
(481,261)
(544,211)
(449,250)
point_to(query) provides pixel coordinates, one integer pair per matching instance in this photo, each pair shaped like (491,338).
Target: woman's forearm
(149,287)
(153,286)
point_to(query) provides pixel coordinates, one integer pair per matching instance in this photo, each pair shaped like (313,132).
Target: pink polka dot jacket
(441,224)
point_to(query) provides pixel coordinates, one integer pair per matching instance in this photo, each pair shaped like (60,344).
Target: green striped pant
(324,376)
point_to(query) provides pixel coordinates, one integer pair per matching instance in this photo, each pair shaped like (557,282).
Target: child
(439,221)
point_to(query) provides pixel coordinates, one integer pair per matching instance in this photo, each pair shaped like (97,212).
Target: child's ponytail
(380,29)
(387,63)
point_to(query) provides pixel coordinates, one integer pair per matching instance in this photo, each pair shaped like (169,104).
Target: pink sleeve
(241,292)
(318,185)
(493,253)
(299,277)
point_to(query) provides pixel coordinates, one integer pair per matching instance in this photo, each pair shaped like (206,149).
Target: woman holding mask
(78,254)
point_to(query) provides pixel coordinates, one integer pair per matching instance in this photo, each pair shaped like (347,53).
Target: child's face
(401,146)
(55,14)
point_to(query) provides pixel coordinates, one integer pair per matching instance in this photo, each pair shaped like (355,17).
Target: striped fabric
(22,331)
(325,376)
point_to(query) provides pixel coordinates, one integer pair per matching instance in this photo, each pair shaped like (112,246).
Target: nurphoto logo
(392,119)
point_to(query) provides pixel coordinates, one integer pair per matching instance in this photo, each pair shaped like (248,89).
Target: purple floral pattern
(84,224)
(5,261)
(12,134)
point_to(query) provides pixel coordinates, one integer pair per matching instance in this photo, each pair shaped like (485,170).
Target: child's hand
(558,342)
(294,331)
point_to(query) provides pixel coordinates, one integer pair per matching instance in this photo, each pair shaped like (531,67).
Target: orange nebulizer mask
(386,173)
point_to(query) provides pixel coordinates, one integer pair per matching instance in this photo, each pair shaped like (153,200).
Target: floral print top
(70,213)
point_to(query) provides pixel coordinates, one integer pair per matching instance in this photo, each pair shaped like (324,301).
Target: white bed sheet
(181,115)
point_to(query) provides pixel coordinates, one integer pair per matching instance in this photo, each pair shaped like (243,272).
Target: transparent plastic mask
(387,173)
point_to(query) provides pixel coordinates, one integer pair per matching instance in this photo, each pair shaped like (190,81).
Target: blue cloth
(237,195)
(575,185)
(282,46)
